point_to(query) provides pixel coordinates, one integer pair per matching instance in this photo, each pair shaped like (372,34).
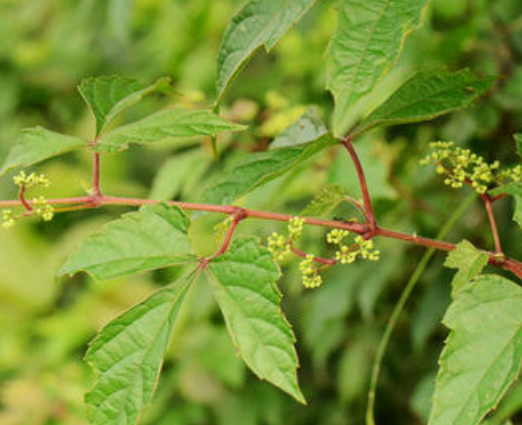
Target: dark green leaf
(243,281)
(170,125)
(367,42)
(426,96)
(152,238)
(38,144)
(258,23)
(483,352)
(260,168)
(127,356)
(108,96)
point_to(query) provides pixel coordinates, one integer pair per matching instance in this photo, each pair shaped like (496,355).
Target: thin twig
(492,221)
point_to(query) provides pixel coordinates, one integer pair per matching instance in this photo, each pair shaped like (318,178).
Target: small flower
(279,246)
(295,227)
(311,277)
(43,209)
(27,181)
(8,220)
(336,236)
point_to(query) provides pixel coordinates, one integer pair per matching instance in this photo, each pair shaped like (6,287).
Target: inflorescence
(40,206)
(461,166)
(281,247)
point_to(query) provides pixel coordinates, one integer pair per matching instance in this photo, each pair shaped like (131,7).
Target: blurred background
(48,46)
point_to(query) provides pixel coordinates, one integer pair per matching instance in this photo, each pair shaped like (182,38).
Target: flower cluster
(27,181)
(43,209)
(461,166)
(279,246)
(361,248)
(8,219)
(311,277)
(295,227)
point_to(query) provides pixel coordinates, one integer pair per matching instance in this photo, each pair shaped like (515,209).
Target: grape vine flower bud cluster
(8,219)
(311,277)
(27,181)
(461,166)
(361,248)
(43,209)
(279,245)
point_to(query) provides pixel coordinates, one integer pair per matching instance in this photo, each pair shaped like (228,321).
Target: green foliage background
(48,46)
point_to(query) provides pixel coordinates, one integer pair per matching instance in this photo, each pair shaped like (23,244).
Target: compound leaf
(426,96)
(127,355)
(469,262)
(108,96)
(243,282)
(152,238)
(258,23)
(261,168)
(307,128)
(367,42)
(483,352)
(38,144)
(169,125)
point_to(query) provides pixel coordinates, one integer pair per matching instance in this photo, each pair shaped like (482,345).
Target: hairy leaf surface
(261,168)
(469,262)
(483,352)
(127,356)
(169,125)
(108,96)
(258,23)
(307,128)
(38,144)
(426,96)
(244,284)
(367,42)
(152,238)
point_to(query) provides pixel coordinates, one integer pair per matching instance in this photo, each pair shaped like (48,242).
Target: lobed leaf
(366,44)
(258,23)
(169,125)
(261,168)
(469,261)
(515,190)
(127,356)
(152,238)
(38,144)
(108,96)
(426,96)
(483,352)
(243,281)
(307,128)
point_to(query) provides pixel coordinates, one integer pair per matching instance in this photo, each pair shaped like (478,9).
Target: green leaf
(469,261)
(170,125)
(426,96)
(108,96)
(38,144)
(258,23)
(515,190)
(152,238)
(261,168)
(243,281)
(518,140)
(307,128)
(330,197)
(367,42)
(127,356)
(483,352)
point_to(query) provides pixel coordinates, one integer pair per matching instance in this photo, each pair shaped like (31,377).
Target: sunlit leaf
(366,44)
(127,356)
(259,23)
(307,128)
(244,284)
(152,238)
(483,352)
(38,144)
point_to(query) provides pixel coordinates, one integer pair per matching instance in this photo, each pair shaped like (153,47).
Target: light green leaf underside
(244,284)
(515,190)
(483,352)
(258,23)
(152,238)
(366,44)
(261,168)
(307,128)
(38,144)
(329,198)
(169,125)
(108,96)
(469,262)
(127,356)
(426,96)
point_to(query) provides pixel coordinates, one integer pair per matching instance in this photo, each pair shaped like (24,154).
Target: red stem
(320,260)
(96,189)
(372,222)
(23,201)
(238,217)
(491,216)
